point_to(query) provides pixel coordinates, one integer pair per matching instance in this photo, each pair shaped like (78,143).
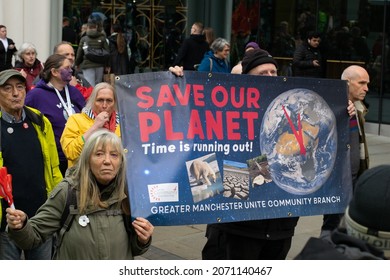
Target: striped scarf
(110,125)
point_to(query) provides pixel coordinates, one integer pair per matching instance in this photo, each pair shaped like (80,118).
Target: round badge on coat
(83,220)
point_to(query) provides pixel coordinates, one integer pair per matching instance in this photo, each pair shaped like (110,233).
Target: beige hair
(95,91)
(24,48)
(199,25)
(219,44)
(82,175)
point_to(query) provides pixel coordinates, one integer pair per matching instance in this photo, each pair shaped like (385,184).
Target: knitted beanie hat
(253,45)
(255,58)
(368,214)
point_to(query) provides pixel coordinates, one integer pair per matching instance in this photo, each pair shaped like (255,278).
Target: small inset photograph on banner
(235,179)
(259,171)
(204,177)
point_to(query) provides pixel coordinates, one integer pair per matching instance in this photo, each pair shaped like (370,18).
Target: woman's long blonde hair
(89,191)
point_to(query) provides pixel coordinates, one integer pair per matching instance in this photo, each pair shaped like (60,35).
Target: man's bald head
(358,80)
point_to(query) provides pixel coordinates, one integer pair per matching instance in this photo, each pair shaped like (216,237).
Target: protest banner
(212,147)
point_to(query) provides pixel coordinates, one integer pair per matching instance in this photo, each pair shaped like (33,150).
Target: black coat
(269,229)
(6,56)
(339,246)
(119,62)
(303,62)
(191,51)
(69,35)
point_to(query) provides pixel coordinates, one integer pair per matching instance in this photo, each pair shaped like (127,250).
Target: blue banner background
(148,170)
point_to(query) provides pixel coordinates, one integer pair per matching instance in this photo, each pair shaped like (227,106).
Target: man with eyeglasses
(28,151)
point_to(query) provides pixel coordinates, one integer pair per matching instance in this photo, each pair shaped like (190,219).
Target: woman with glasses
(99,113)
(56,99)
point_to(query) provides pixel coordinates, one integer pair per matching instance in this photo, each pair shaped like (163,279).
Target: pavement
(186,242)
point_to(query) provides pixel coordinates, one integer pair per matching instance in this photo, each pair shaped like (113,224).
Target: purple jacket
(45,99)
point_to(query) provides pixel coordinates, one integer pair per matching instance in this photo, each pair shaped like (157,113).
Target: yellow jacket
(72,141)
(45,135)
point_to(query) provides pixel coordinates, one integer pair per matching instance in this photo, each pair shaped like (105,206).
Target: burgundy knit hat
(252,45)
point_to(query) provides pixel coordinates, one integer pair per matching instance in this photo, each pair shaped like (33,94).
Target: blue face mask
(66,74)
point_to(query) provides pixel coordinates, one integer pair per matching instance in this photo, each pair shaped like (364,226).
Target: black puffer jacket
(339,246)
(271,229)
(303,62)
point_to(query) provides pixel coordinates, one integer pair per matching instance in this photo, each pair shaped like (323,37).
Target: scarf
(111,124)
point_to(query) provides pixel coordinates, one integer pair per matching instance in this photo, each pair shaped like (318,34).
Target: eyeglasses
(9,88)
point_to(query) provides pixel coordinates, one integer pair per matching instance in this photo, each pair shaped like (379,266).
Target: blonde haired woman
(99,112)
(98,230)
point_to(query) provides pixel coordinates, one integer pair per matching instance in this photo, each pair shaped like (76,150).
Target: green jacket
(45,134)
(94,39)
(103,238)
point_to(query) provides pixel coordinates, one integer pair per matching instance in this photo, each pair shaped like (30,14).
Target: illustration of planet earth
(298,135)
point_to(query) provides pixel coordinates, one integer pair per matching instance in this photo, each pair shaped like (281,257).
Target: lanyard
(68,105)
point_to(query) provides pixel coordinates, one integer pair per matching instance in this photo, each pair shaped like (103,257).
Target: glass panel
(153,28)
(353,32)
(378,99)
(245,23)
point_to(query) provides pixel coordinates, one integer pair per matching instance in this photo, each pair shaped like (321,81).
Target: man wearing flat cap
(28,151)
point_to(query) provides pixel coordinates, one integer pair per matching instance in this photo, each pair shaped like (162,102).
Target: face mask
(66,75)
